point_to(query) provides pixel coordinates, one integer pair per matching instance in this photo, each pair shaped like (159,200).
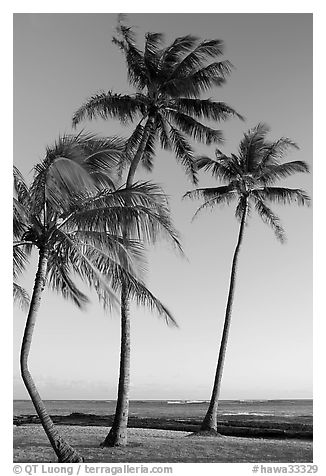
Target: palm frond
(198,131)
(68,176)
(68,150)
(275,151)
(102,157)
(147,194)
(21,296)
(72,164)
(20,186)
(152,52)
(253,147)
(225,168)
(126,41)
(268,174)
(20,219)
(204,109)
(150,202)
(163,132)
(137,72)
(149,152)
(209,192)
(142,296)
(118,250)
(60,280)
(199,55)
(283,195)
(174,53)
(199,82)
(184,153)
(269,218)
(123,29)
(130,149)
(212,196)
(20,259)
(117,275)
(87,262)
(140,210)
(62,181)
(110,105)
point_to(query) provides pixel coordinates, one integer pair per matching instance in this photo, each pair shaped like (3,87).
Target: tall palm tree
(248,178)
(73,216)
(167,107)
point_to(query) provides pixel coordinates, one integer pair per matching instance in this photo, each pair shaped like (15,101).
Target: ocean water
(173,408)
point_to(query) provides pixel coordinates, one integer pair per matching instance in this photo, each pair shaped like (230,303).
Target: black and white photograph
(162,240)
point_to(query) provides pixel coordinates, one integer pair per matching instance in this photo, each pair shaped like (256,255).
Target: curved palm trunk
(118,433)
(64,452)
(140,151)
(209,423)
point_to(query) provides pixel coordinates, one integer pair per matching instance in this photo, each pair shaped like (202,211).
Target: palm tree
(166,105)
(72,215)
(248,177)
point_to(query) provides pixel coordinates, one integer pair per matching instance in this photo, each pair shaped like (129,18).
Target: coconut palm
(167,108)
(166,105)
(73,216)
(248,178)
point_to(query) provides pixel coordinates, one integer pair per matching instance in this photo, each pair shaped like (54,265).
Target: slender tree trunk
(118,433)
(209,423)
(64,452)
(140,151)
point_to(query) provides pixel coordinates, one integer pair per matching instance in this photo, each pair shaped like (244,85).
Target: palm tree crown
(249,177)
(168,82)
(73,210)
(66,180)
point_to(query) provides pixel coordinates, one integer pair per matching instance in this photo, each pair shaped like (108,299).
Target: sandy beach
(152,445)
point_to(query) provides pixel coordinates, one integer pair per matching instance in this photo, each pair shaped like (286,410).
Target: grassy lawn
(145,445)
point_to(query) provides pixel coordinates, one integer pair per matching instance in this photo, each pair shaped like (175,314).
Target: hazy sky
(60,60)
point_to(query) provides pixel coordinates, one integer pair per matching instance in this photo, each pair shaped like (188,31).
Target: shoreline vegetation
(253,426)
